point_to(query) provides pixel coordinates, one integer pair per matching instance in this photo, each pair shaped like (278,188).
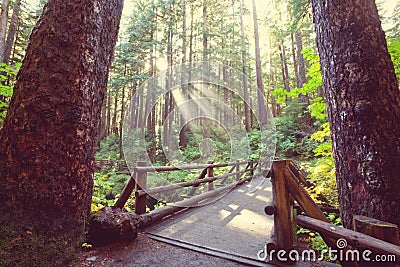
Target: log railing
(289,198)
(137,184)
(288,187)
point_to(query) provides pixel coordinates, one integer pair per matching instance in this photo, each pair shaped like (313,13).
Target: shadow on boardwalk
(233,227)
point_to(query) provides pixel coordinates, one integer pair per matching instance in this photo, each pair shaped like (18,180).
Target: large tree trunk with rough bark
(363,102)
(49,135)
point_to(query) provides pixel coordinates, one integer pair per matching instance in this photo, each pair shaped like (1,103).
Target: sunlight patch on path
(235,224)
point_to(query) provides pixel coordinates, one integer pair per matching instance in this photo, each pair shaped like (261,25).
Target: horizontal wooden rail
(141,170)
(165,188)
(184,168)
(355,239)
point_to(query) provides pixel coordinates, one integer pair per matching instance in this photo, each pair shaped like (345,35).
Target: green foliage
(220,142)
(105,189)
(313,84)
(291,141)
(109,148)
(394,50)
(323,137)
(318,109)
(322,169)
(317,242)
(7,78)
(322,174)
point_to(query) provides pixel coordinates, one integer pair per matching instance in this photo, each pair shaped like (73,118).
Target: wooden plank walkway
(233,227)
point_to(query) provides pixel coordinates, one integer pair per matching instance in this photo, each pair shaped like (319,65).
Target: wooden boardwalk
(233,227)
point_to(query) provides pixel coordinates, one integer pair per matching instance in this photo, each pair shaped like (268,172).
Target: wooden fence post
(251,168)
(126,192)
(201,176)
(237,170)
(282,215)
(141,184)
(210,173)
(379,229)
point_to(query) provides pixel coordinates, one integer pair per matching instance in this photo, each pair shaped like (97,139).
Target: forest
(84,96)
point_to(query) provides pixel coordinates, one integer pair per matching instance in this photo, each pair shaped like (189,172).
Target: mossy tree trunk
(363,103)
(49,135)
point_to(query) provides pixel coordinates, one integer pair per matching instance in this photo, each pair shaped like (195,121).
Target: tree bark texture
(363,102)
(49,136)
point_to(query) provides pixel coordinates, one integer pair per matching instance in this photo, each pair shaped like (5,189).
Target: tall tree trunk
(182,132)
(140,116)
(244,70)
(165,121)
(262,105)
(121,121)
(363,103)
(191,42)
(205,32)
(285,71)
(133,109)
(300,60)
(108,121)
(114,125)
(3,27)
(226,91)
(295,64)
(301,80)
(101,132)
(169,98)
(224,118)
(49,136)
(11,32)
(274,105)
(151,126)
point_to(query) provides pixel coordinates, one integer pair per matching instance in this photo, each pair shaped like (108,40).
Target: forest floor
(144,251)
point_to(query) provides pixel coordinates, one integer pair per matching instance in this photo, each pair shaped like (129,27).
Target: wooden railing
(288,187)
(289,198)
(137,184)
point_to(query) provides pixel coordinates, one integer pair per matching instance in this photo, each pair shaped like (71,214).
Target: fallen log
(110,225)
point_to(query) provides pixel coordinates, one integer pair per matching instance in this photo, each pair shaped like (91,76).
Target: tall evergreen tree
(49,136)
(363,103)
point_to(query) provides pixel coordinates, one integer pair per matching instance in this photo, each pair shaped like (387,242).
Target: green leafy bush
(394,50)
(109,148)
(106,188)
(7,78)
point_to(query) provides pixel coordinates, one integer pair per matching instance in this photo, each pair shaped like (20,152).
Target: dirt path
(147,252)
